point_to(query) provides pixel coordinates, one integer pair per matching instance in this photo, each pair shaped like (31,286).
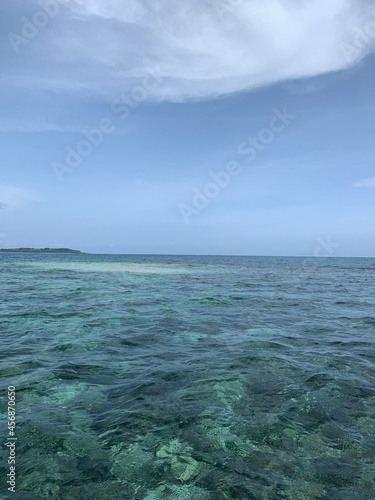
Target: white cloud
(204,48)
(364,183)
(14,197)
(37,126)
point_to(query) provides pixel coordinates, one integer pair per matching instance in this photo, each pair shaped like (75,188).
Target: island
(38,250)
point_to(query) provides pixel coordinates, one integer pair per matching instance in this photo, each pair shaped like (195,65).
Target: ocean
(188,377)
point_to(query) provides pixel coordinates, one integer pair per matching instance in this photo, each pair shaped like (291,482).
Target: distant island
(38,250)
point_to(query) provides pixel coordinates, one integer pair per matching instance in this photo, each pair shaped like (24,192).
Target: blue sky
(180,90)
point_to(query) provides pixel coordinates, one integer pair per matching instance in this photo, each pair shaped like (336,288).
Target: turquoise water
(155,377)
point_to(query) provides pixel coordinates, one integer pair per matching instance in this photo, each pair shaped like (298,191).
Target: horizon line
(80,252)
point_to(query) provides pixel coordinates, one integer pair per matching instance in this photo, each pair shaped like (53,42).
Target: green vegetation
(38,250)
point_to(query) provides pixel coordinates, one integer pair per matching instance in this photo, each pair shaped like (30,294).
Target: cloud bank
(365,183)
(202,48)
(15,197)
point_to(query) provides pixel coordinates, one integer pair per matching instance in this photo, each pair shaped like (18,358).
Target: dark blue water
(157,377)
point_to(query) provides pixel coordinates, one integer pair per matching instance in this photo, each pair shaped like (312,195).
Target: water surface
(165,377)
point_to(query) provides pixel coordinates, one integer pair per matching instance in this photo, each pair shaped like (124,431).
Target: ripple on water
(190,377)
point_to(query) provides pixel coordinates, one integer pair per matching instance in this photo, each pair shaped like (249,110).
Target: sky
(238,127)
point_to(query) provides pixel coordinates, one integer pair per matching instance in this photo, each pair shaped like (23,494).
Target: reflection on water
(107,267)
(190,377)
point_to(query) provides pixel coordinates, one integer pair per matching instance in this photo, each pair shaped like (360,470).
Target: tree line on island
(38,250)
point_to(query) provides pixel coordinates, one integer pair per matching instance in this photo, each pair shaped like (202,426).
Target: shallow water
(160,377)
